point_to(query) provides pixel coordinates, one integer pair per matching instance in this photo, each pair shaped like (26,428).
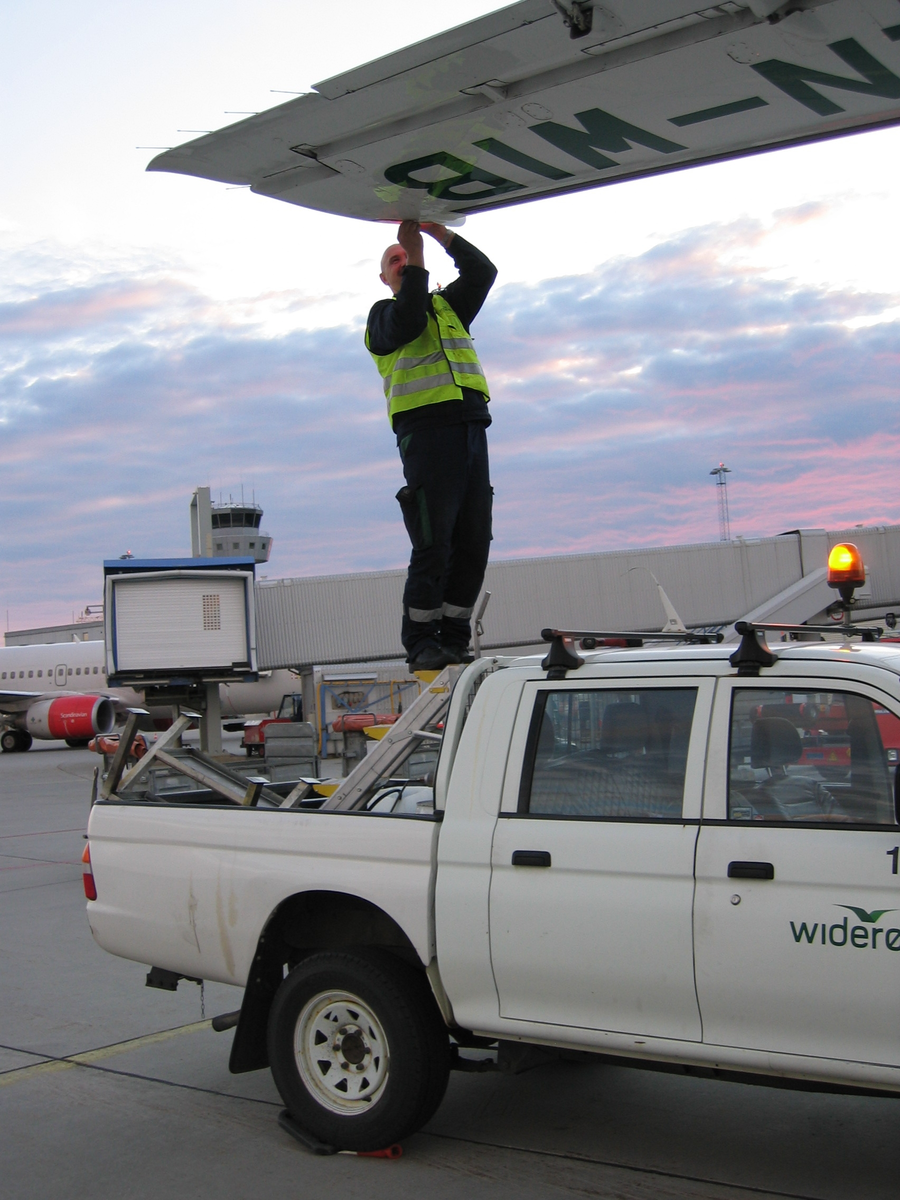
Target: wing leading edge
(510,108)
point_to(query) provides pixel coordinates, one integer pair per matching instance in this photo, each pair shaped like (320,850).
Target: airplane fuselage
(30,674)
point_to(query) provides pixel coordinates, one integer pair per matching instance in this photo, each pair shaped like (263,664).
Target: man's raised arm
(477,273)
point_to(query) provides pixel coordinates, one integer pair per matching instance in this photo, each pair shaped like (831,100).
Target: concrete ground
(115,1091)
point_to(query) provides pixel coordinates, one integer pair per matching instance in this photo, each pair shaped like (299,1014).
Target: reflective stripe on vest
(435,367)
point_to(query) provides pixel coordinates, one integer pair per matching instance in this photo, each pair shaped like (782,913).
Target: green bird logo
(869,917)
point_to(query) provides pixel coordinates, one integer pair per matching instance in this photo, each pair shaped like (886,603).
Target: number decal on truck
(894,854)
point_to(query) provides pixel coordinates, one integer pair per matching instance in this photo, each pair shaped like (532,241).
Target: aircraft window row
(40,674)
(606,753)
(811,757)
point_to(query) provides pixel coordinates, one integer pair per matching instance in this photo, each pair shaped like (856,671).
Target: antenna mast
(722,497)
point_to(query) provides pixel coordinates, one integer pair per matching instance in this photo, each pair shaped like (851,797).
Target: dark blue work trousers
(446,508)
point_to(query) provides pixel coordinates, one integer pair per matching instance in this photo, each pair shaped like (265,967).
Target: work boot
(432,658)
(459,654)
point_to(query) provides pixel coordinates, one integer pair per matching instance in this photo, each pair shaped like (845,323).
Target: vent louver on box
(212,617)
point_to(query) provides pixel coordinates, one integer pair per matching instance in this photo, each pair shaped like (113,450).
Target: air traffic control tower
(229,530)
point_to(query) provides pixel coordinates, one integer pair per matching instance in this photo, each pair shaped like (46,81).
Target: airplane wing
(14,700)
(551,96)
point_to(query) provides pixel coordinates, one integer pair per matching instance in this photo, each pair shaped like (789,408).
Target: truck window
(810,757)
(605,753)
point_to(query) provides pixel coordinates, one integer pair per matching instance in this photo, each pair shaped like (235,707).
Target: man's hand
(410,239)
(440,233)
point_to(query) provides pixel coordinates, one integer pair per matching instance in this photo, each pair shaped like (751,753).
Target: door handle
(531,858)
(751,870)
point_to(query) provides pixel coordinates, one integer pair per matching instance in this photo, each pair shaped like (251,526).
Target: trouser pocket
(414,506)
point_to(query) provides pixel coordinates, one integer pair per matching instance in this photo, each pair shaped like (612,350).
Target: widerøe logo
(861,936)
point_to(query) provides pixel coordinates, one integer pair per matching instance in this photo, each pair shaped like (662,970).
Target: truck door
(593,853)
(797,913)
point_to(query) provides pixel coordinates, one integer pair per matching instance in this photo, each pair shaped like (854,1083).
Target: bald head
(393,262)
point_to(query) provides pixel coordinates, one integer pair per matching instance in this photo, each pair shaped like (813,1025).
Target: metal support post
(211,722)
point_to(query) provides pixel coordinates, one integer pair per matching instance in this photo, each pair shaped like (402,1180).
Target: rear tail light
(87,878)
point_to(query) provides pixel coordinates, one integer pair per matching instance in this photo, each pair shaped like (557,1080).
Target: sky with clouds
(158,332)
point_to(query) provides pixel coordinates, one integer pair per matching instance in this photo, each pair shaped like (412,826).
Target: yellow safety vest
(435,367)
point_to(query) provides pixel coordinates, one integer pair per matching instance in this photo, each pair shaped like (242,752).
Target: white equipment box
(179,621)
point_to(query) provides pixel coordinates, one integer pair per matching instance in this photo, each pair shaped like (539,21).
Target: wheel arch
(302,924)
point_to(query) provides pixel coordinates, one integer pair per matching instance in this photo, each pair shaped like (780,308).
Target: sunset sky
(159,332)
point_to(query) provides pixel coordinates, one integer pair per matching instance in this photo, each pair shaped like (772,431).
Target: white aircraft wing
(10,700)
(510,107)
(15,701)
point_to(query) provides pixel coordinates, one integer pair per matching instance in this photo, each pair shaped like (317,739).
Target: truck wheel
(358,1049)
(9,741)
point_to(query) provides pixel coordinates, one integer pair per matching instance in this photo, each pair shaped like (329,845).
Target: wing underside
(510,108)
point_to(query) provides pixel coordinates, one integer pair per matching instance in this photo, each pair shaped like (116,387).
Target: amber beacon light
(845,569)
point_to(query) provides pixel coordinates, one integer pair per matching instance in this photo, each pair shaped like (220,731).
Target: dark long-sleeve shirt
(396,322)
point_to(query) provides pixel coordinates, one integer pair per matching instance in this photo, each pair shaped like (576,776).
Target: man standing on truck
(437,400)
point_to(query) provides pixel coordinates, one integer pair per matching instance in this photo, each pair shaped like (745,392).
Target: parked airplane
(59,690)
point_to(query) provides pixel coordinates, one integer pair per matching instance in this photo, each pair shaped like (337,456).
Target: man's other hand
(410,239)
(440,233)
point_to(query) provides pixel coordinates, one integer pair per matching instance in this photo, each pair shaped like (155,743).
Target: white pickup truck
(654,854)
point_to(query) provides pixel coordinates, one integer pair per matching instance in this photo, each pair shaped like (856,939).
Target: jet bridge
(356,618)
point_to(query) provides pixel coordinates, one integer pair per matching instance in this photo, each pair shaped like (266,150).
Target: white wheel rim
(341,1052)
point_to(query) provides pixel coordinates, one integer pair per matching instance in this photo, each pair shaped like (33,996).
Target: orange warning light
(845,567)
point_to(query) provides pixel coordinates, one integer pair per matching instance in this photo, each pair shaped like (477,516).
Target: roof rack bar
(638,635)
(868,633)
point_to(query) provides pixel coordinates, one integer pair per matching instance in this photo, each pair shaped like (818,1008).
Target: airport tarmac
(114,1090)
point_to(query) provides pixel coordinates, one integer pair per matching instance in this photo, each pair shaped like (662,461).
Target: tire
(9,740)
(358,1049)
(25,739)
(77,743)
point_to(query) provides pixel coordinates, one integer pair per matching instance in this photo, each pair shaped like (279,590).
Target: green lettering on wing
(601,131)
(511,155)
(465,181)
(795,80)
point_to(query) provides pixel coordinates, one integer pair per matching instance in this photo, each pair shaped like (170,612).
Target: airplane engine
(71,717)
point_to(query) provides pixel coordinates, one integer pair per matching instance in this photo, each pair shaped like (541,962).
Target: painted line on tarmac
(31,863)
(748,1189)
(4,837)
(89,1057)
